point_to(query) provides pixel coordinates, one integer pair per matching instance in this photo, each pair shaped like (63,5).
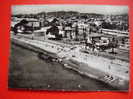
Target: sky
(100,9)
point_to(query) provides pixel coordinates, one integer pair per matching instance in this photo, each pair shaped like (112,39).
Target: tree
(113,44)
(19,26)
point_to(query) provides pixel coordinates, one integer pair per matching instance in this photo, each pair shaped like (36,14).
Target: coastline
(82,68)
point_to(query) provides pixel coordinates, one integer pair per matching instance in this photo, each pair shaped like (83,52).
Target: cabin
(33,24)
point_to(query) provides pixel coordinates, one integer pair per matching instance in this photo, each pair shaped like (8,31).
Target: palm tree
(113,44)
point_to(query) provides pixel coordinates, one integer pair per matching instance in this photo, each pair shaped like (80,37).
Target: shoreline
(101,76)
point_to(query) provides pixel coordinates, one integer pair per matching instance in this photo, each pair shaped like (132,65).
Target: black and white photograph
(69,47)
